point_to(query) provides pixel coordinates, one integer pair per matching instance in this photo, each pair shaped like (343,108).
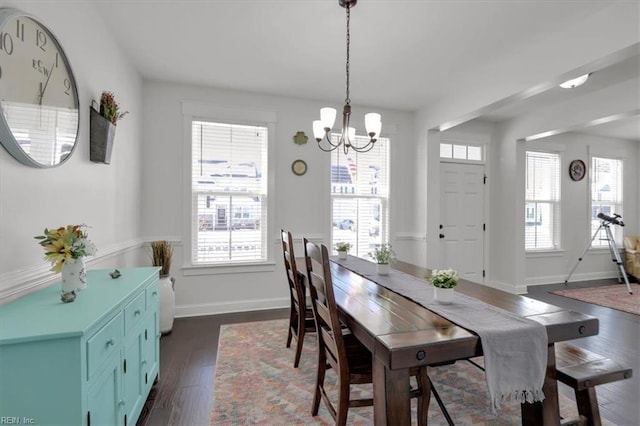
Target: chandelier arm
(368,147)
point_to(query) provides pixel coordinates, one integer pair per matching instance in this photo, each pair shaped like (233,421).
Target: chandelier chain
(347,100)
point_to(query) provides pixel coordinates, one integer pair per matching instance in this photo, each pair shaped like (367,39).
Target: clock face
(38,94)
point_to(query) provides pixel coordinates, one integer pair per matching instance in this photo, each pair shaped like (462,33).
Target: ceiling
(405,54)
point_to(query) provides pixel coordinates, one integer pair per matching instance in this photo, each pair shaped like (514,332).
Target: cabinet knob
(111,342)
(137,312)
(120,403)
(155,293)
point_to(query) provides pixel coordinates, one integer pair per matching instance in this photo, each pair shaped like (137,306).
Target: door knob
(441,235)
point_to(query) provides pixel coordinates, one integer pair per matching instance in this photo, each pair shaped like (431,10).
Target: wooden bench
(583,370)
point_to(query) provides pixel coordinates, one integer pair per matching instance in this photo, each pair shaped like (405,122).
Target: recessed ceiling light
(575,82)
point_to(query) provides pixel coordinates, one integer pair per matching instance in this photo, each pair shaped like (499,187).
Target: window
(360,196)
(229,171)
(461,152)
(542,201)
(606,196)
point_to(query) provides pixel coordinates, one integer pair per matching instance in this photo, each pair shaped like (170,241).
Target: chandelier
(322,128)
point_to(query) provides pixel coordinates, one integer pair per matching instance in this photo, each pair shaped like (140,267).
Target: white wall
(544,60)
(553,267)
(301,201)
(105,197)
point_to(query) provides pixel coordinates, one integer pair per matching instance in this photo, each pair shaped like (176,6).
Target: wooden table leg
(390,395)
(546,412)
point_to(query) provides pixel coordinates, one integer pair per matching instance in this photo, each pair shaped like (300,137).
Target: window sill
(237,268)
(545,253)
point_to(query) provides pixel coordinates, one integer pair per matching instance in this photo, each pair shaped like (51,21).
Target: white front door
(462,219)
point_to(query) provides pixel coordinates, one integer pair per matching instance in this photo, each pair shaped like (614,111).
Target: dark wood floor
(188,357)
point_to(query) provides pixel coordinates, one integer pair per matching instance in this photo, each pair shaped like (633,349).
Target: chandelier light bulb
(327,117)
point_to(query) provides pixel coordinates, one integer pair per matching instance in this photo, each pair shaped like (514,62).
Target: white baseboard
(555,279)
(230,307)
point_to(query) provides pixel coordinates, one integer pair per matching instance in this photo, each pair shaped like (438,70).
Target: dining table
(401,334)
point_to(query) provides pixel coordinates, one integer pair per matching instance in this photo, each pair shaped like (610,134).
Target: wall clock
(299,167)
(39,107)
(577,170)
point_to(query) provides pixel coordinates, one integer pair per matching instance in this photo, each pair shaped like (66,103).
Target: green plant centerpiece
(383,254)
(343,248)
(443,278)
(109,108)
(444,282)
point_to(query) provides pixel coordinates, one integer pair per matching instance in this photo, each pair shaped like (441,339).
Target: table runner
(515,348)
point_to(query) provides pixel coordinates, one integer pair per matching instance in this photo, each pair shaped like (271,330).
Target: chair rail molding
(21,282)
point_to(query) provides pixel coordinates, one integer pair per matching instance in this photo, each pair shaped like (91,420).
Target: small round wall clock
(39,107)
(577,170)
(299,167)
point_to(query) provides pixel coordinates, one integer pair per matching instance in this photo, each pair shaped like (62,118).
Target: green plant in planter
(342,246)
(443,278)
(109,108)
(383,254)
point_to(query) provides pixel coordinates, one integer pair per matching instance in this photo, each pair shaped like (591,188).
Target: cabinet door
(134,390)
(105,403)
(151,350)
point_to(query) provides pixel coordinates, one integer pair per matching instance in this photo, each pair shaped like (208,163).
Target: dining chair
(341,350)
(301,315)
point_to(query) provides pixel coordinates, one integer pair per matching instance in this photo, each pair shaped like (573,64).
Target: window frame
(556,206)
(192,111)
(617,231)
(385,202)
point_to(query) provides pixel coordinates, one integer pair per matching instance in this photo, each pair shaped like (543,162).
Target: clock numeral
(6,43)
(67,87)
(41,40)
(19,30)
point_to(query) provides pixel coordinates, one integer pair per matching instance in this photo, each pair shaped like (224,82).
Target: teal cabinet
(90,362)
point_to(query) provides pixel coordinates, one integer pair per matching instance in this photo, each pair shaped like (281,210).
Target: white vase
(383,269)
(167,304)
(342,254)
(74,275)
(443,295)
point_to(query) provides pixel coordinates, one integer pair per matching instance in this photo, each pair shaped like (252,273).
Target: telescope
(613,220)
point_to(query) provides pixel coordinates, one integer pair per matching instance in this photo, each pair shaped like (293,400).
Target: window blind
(360,196)
(542,201)
(606,196)
(229,193)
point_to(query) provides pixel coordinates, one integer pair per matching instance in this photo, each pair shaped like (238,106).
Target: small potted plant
(444,282)
(342,248)
(161,254)
(384,255)
(103,128)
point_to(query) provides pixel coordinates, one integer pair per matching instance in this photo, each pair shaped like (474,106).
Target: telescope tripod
(615,254)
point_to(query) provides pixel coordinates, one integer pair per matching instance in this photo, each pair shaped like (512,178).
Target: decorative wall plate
(577,170)
(299,167)
(300,138)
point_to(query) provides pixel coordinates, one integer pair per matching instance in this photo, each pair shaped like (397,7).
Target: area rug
(611,296)
(255,383)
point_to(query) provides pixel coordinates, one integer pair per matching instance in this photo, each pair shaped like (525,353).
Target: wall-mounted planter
(101,136)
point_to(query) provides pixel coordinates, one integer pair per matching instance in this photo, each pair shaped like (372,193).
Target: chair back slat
(324,305)
(295,286)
